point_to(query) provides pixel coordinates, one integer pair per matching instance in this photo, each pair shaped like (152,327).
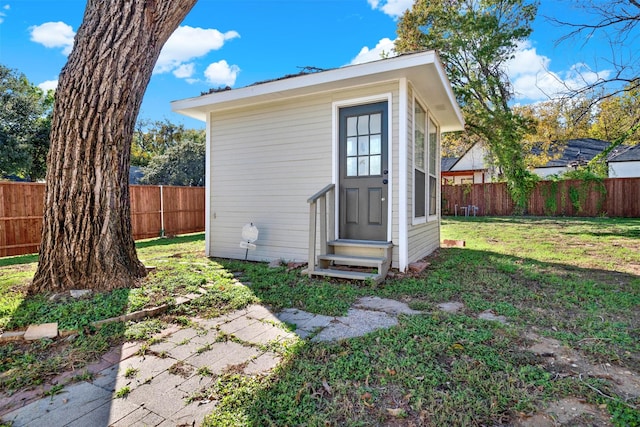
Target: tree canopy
(181,164)
(25,123)
(476,39)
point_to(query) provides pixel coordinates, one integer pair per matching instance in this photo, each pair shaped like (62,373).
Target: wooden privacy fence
(155,210)
(613,197)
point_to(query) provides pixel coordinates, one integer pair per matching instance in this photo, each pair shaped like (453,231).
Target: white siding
(624,169)
(266,161)
(545,172)
(473,159)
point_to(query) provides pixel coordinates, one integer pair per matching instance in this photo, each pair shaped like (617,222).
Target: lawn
(565,280)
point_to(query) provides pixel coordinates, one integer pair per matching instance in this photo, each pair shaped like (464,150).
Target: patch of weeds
(182,369)
(142,330)
(123,392)
(56,389)
(205,371)
(622,414)
(204,348)
(144,349)
(85,376)
(131,372)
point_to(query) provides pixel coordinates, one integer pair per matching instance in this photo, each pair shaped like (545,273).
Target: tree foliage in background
(181,164)
(476,39)
(25,124)
(154,137)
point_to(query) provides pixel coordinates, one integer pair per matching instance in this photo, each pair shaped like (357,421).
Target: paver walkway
(177,367)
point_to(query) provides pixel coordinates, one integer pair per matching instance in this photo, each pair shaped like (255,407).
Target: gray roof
(577,151)
(446,163)
(626,154)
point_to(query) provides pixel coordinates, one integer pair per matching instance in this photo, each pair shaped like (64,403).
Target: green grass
(573,279)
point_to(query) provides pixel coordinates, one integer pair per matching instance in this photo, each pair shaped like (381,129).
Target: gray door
(363,172)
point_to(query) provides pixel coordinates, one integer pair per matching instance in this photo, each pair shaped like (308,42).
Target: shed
(338,168)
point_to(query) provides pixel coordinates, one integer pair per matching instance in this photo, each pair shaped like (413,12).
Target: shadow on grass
(468,367)
(164,241)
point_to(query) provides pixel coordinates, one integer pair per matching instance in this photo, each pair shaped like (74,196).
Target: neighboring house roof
(447,163)
(135,174)
(423,69)
(576,151)
(626,154)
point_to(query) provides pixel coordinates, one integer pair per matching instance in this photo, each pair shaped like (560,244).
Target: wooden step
(360,243)
(360,261)
(346,274)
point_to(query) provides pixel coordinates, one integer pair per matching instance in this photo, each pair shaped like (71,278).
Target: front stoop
(347,258)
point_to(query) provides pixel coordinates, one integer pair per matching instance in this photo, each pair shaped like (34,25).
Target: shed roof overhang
(423,69)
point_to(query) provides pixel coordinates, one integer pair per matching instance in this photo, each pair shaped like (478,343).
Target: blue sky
(240,42)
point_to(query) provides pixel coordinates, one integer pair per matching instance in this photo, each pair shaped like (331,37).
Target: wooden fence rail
(155,210)
(614,197)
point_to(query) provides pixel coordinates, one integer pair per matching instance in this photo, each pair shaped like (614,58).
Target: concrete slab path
(152,387)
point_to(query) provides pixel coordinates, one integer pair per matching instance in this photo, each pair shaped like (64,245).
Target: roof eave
(415,67)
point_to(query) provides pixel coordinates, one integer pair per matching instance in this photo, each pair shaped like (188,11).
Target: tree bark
(87,241)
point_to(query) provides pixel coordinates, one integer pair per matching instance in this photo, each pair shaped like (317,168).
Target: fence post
(161,213)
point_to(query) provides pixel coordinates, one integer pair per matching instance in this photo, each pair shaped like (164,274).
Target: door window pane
(375,144)
(363,145)
(363,125)
(363,166)
(352,147)
(352,126)
(352,166)
(375,165)
(375,123)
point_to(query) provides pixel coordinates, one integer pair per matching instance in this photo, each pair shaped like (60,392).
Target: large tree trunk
(86,238)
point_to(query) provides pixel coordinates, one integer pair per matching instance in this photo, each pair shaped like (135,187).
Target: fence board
(615,197)
(22,205)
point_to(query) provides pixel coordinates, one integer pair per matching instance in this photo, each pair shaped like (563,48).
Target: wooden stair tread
(345,274)
(363,261)
(360,243)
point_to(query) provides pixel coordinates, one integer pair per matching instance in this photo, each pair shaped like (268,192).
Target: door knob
(385,181)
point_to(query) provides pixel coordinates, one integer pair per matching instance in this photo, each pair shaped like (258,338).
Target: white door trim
(335,152)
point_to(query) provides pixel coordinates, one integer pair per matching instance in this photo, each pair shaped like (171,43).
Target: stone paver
(45,330)
(451,307)
(386,305)
(356,323)
(167,374)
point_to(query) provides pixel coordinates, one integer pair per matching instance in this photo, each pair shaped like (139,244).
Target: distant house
(473,168)
(577,152)
(625,163)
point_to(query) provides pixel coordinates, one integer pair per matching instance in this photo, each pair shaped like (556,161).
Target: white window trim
(429,119)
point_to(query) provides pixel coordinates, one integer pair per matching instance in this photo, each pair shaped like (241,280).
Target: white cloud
(532,79)
(54,35)
(222,73)
(385,47)
(48,85)
(188,43)
(393,8)
(184,71)
(3,14)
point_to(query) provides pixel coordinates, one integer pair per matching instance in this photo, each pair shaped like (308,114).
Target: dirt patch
(568,412)
(566,361)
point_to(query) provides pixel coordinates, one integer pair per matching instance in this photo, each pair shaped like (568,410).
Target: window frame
(428,173)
